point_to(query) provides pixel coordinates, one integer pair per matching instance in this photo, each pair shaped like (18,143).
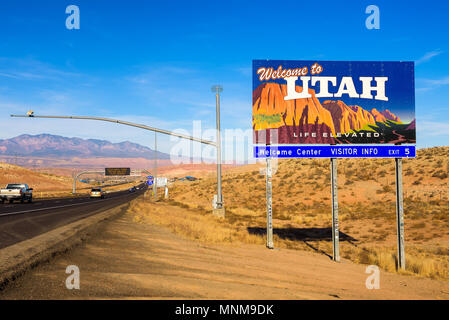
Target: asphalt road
(22,221)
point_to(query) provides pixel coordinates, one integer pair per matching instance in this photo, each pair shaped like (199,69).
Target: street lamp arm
(219,202)
(125,123)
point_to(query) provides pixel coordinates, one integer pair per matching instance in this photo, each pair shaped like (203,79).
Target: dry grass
(301,204)
(195,224)
(198,224)
(417,262)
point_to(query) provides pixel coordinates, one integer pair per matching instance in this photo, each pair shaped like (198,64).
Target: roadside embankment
(146,254)
(15,260)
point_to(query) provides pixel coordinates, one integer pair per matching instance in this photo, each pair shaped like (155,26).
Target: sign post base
(219,212)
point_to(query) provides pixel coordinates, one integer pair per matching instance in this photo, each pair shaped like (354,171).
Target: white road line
(67,205)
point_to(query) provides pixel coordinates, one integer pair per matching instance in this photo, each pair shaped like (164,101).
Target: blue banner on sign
(339,151)
(150,177)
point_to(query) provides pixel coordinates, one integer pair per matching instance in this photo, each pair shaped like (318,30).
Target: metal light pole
(220,208)
(217,144)
(141,126)
(155,174)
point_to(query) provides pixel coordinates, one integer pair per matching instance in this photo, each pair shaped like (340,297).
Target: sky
(154,62)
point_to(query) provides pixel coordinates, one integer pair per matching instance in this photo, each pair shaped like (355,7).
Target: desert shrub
(385,189)
(422,266)
(319,171)
(442,251)
(349,173)
(418,225)
(418,236)
(440,174)
(382,173)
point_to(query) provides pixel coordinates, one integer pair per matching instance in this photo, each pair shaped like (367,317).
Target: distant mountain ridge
(47,145)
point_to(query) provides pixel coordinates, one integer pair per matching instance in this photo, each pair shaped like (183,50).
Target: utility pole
(219,211)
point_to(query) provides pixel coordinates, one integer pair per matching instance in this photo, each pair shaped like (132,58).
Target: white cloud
(21,75)
(437,82)
(424,85)
(31,69)
(433,128)
(428,56)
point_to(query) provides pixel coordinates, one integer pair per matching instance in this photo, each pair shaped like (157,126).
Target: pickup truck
(16,191)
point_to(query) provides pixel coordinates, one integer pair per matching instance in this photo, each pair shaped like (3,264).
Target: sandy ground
(130,260)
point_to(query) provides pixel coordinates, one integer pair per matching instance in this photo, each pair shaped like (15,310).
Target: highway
(22,221)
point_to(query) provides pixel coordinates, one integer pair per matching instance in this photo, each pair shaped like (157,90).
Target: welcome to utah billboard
(333,102)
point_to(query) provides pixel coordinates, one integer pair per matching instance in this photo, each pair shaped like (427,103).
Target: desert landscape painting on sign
(333,102)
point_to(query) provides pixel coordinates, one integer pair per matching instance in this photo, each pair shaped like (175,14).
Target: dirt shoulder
(128,259)
(20,257)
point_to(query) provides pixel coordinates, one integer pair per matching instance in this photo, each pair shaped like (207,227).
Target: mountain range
(47,145)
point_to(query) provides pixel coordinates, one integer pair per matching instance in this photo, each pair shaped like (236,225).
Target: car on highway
(97,193)
(133,189)
(16,191)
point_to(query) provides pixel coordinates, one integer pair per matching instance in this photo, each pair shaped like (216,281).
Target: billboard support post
(335,232)
(269,174)
(400,214)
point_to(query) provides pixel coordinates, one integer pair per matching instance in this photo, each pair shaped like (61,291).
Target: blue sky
(154,62)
